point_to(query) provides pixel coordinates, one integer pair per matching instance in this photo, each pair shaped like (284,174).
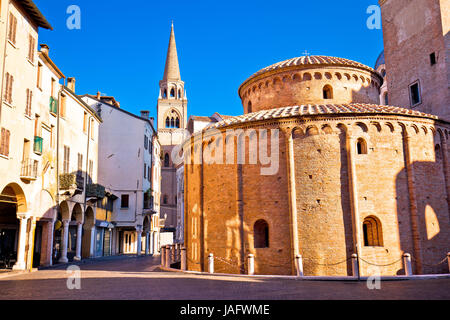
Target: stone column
(354,206)
(21,264)
(79,238)
(47,244)
(65,240)
(292,200)
(150,243)
(155,243)
(412,201)
(147,242)
(138,241)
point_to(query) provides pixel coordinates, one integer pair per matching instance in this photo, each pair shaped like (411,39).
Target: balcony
(71,182)
(29,170)
(38,142)
(53,106)
(95,191)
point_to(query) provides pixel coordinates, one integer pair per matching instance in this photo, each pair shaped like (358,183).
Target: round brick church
(351,177)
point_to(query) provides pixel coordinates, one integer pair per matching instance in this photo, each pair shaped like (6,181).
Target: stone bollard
(407,264)
(448,261)
(251,264)
(183,259)
(299,265)
(163,256)
(355,265)
(172,253)
(211,263)
(167,256)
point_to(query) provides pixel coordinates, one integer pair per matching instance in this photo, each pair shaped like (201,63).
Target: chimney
(145,115)
(71,84)
(45,49)
(98,95)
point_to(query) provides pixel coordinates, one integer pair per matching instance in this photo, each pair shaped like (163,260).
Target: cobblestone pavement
(139,278)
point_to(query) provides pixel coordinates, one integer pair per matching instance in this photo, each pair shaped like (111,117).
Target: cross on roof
(306,53)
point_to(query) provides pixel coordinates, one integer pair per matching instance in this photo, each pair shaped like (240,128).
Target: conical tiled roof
(172,70)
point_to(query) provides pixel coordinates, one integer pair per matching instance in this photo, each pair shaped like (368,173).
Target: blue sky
(121,47)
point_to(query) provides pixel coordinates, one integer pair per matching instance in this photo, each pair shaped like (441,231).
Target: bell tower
(172,101)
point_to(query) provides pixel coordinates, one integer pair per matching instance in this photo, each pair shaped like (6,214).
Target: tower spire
(172,69)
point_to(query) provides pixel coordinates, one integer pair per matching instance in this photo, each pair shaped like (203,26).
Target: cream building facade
(130,168)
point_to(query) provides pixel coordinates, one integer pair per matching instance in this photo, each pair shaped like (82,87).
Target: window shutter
(2,141)
(7,143)
(15,29)
(31,101)
(11,23)
(11,81)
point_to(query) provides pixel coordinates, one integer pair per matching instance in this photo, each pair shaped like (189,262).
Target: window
(145,142)
(145,171)
(92,128)
(177,123)
(29,102)
(80,163)
(62,107)
(52,88)
(165,93)
(91,171)
(261,234)
(179,94)
(433,58)
(167,122)
(4,142)
(12,28)
(124,201)
(166,160)
(31,45)
(327,92)
(361,146)
(383,73)
(249,108)
(414,93)
(66,162)
(85,122)
(9,81)
(373,235)
(172,93)
(39,75)
(165,199)
(386,99)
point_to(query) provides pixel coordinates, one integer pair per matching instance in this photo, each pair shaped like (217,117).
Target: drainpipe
(87,162)
(57,155)
(4,58)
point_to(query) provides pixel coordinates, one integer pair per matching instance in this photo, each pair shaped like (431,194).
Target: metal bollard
(183,259)
(407,263)
(163,256)
(355,266)
(299,265)
(251,264)
(211,263)
(167,256)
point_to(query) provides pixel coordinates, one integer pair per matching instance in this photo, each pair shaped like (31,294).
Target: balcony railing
(69,181)
(53,105)
(148,203)
(29,170)
(95,191)
(38,142)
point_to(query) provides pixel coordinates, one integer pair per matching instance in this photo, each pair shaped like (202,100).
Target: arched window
(249,109)
(373,233)
(165,93)
(177,123)
(172,123)
(179,94)
(166,160)
(261,234)
(167,122)
(172,93)
(327,92)
(165,199)
(361,146)
(386,99)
